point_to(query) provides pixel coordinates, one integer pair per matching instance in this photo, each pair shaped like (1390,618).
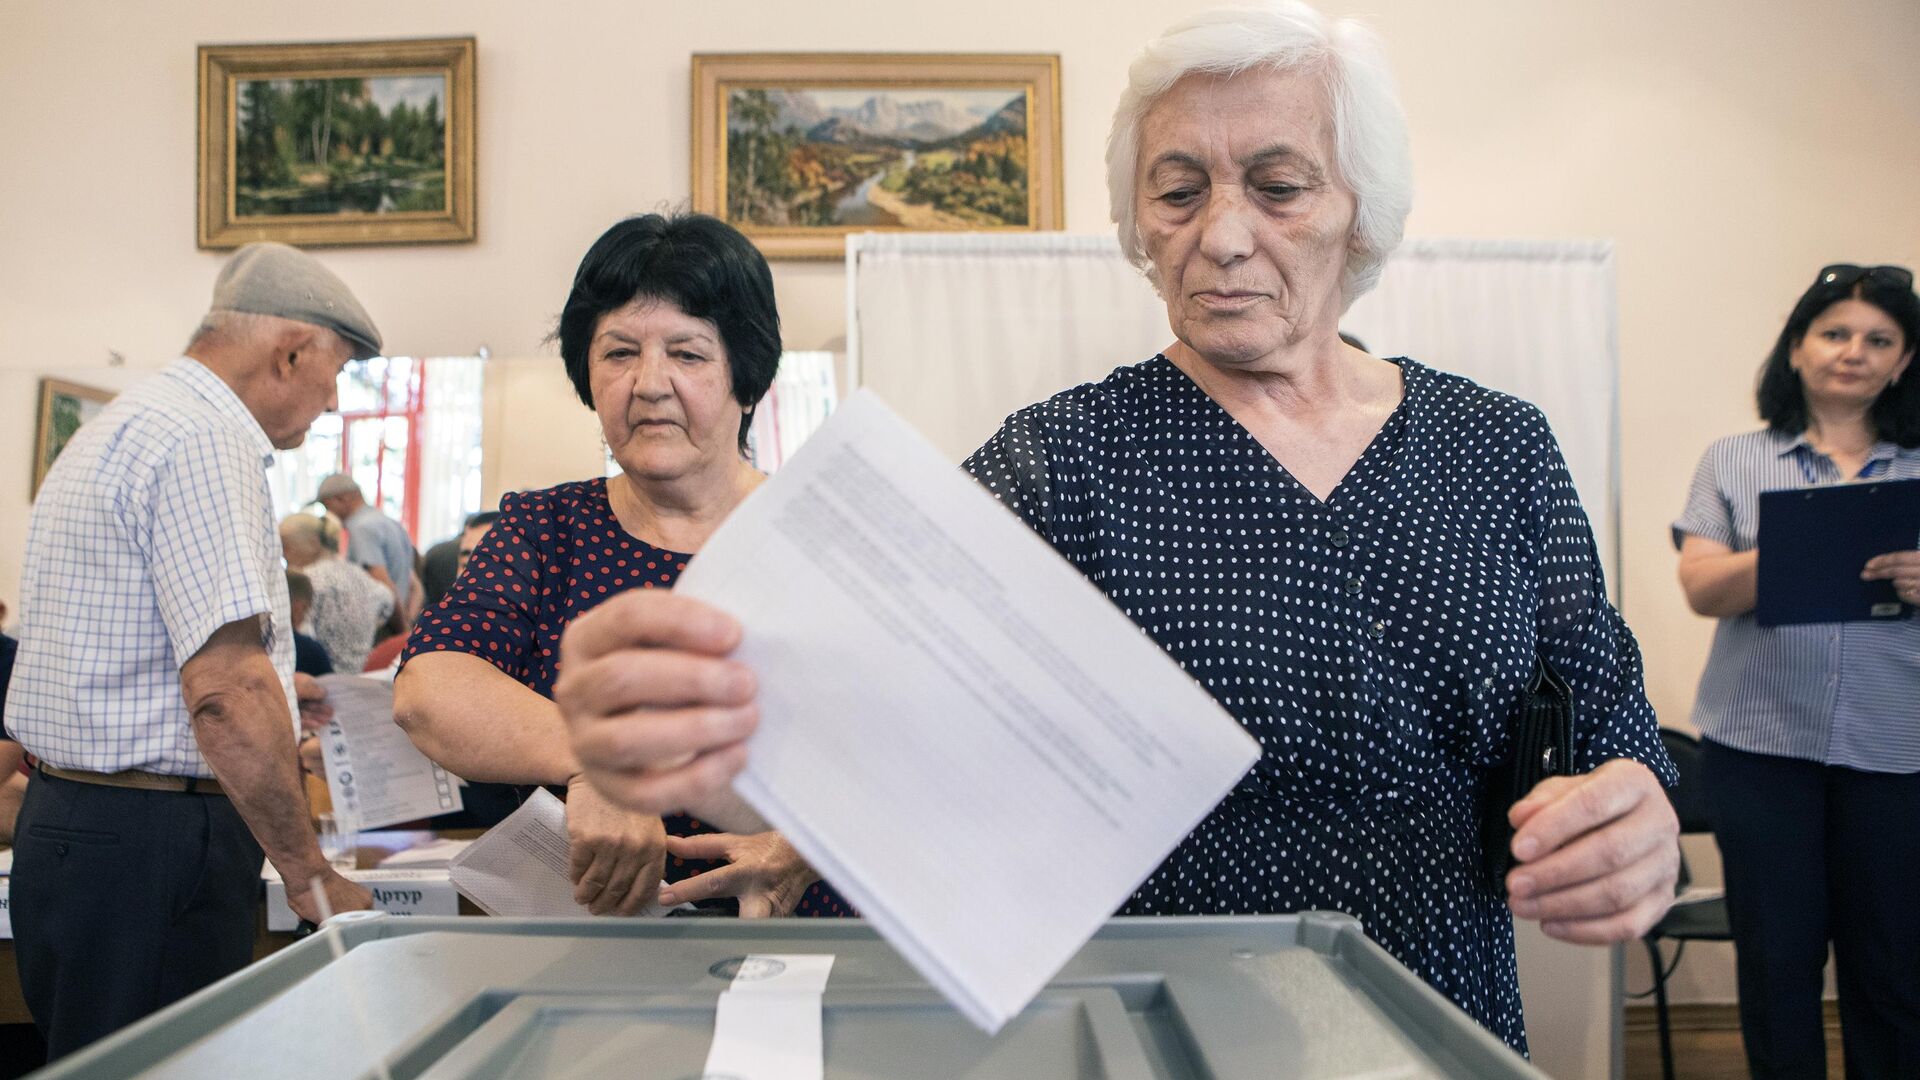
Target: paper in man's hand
(375,775)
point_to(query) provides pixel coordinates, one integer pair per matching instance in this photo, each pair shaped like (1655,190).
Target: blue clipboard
(1813,542)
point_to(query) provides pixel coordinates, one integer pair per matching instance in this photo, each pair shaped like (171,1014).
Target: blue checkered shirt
(153,529)
(1836,693)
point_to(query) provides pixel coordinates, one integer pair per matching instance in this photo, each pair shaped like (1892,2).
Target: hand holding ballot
(659,714)
(922,679)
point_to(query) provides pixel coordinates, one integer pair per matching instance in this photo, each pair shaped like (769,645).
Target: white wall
(1728,147)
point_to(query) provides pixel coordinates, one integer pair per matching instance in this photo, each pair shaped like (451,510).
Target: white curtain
(450,425)
(957,331)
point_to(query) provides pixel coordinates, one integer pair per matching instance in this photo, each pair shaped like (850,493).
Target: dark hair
(299,587)
(1783,401)
(700,264)
(484,517)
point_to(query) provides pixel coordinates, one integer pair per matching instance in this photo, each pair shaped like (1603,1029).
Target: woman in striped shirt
(1812,760)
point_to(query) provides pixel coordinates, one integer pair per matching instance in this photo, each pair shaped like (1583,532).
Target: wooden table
(374,846)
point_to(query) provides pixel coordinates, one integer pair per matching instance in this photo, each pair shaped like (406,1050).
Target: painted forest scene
(340,146)
(882,158)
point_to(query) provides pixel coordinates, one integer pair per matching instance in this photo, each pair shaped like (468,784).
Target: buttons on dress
(1338,537)
(1378,631)
(1354,585)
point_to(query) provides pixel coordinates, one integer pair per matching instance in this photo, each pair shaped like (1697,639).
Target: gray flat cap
(337,484)
(274,279)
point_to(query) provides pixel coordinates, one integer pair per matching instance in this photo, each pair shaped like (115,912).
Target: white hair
(1369,128)
(244,329)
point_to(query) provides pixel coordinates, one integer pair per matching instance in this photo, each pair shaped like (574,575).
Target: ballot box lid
(1307,996)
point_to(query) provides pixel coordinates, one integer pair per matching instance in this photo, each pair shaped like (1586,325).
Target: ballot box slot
(1072,1034)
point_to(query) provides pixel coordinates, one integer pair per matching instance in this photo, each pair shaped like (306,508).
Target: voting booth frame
(1305,995)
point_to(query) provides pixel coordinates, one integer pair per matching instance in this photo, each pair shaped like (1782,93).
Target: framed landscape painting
(64,406)
(798,150)
(340,143)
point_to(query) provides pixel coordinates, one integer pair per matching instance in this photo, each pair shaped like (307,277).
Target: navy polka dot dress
(551,557)
(1375,644)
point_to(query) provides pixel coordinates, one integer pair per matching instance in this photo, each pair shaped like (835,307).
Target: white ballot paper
(519,867)
(767,1024)
(377,777)
(957,729)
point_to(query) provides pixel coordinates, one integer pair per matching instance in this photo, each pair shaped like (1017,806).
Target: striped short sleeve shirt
(1837,693)
(153,529)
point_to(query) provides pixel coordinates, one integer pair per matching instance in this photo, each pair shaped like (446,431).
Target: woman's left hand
(1598,854)
(762,870)
(1900,567)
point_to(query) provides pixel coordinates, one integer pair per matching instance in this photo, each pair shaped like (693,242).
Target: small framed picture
(798,150)
(367,142)
(64,406)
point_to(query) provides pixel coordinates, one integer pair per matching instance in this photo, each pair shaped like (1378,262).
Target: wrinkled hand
(762,870)
(342,895)
(314,710)
(1598,854)
(659,716)
(1900,567)
(617,855)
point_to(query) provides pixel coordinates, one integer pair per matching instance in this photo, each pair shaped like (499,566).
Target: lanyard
(1868,471)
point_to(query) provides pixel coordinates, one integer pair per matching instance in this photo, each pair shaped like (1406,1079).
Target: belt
(134,778)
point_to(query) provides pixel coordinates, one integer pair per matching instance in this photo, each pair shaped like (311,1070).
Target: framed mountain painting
(798,150)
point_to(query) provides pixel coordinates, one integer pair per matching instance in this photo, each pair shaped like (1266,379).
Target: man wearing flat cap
(155,679)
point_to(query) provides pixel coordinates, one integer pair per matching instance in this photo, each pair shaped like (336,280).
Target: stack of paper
(958,730)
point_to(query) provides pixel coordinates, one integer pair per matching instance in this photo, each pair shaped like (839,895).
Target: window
(408,431)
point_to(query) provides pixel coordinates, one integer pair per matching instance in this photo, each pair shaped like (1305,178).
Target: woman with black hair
(671,336)
(1812,758)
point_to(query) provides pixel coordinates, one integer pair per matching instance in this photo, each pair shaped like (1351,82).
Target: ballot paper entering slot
(958,730)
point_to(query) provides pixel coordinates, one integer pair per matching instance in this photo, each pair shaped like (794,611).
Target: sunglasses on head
(1846,275)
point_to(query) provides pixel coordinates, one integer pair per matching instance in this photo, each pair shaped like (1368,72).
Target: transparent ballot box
(1304,996)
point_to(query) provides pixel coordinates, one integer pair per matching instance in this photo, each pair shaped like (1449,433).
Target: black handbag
(1542,747)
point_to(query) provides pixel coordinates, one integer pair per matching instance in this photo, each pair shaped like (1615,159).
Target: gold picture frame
(64,406)
(337,143)
(799,149)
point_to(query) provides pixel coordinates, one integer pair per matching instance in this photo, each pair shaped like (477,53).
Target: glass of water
(338,843)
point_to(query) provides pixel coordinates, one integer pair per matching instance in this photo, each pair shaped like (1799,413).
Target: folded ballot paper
(957,729)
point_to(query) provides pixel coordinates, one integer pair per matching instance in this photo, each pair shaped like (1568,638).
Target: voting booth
(1304,996)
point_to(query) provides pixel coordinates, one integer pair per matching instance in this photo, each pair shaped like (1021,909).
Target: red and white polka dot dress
(550,557)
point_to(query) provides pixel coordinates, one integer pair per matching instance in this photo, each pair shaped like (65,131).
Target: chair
(1696,915)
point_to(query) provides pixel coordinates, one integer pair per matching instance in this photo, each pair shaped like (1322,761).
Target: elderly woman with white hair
(1360,558)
